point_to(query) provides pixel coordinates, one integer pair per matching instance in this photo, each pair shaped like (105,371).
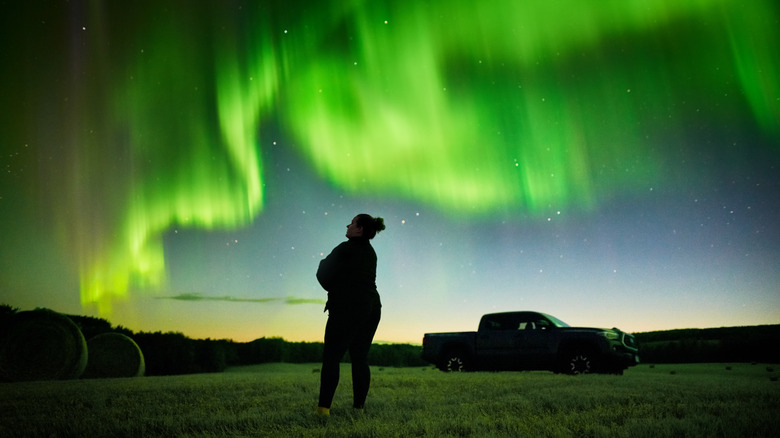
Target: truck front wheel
(578,362)
(454,361)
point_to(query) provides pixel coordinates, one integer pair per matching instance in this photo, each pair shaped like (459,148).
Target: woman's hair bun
(379,224)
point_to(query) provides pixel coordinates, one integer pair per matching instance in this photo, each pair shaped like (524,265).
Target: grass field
(708,400)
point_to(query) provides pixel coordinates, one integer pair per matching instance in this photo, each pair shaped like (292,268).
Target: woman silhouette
(348,274)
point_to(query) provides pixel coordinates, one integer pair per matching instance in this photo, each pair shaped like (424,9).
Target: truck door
(497,342)
(522,342)
(533,345)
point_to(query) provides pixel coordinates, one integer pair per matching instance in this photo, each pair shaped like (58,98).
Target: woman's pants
(353,332)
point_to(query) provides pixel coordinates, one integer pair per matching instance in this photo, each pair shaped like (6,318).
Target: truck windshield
(556,322)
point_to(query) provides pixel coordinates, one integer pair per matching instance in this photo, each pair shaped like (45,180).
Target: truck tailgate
(434,344)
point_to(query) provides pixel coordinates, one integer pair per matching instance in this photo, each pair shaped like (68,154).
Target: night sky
(184,165)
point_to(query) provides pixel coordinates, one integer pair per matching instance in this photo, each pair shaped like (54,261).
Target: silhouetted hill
(724,344)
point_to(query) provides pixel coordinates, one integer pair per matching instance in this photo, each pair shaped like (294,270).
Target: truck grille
(629,341)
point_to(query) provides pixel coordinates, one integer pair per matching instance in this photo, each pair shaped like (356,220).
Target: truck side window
(492,324)
(499,324)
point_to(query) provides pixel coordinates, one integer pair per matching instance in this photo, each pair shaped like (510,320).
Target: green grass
(710,400)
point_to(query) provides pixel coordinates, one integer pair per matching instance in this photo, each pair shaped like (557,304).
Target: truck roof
(530,315)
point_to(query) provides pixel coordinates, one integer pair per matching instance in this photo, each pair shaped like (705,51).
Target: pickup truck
(531,341)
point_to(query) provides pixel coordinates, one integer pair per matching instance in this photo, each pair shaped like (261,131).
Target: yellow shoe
(322,412)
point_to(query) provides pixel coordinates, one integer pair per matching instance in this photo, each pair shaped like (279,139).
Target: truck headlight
(609,334)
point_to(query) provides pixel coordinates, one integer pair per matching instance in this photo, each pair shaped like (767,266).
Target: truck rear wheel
(454,361)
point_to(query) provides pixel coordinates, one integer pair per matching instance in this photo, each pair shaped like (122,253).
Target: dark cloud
(293,300)
(199,297)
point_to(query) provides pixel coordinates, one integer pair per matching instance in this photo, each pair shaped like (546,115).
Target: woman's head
(365,226)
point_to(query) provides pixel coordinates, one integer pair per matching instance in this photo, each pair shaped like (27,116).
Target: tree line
(174,353)
(723,344)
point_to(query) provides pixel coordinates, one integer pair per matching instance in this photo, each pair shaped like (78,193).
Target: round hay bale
(42,345)
(114,355)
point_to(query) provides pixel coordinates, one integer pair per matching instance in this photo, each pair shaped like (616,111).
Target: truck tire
(454,361)
(579,361)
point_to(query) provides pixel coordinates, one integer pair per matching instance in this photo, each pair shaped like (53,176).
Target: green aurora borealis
(475,109)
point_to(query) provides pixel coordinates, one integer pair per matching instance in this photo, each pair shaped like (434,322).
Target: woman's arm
(331,268)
